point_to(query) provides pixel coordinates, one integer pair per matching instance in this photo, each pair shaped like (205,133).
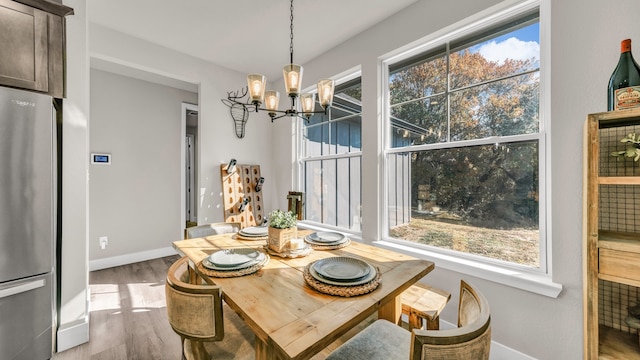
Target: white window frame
(538,280)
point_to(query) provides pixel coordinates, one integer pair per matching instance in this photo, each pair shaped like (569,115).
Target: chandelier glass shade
(292,73)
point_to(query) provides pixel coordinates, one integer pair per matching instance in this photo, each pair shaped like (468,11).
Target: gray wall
(136,200)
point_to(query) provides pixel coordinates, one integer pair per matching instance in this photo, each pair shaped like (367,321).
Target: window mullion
(448,92)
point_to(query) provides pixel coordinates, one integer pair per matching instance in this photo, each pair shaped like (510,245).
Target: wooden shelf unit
(612,234)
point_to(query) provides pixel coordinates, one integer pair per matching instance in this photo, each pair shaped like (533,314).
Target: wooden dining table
(292,320)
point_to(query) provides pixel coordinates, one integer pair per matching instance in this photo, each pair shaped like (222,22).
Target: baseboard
(72,335)
(498,351)
(109,262)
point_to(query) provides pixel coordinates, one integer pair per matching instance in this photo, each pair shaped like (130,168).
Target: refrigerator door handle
(21,288)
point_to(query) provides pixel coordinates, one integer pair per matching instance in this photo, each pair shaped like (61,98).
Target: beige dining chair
(384,340)
(194,311)
(212,229)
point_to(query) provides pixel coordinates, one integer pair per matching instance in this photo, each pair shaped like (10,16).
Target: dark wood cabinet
(32,40)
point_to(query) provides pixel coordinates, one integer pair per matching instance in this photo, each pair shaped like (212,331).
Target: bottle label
(627,98)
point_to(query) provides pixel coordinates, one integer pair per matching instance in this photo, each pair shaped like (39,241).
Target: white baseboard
(498,351)
(109,262)
(72,335)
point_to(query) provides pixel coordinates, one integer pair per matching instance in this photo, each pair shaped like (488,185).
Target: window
(330,160)
(465,146)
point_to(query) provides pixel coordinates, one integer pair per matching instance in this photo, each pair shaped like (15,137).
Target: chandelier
(257,96)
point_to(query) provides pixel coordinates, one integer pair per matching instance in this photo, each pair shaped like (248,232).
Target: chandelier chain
(291,34)
(257,94)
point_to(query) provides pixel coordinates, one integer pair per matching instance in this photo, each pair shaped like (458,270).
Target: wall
(217,141)
(73,309)
(583,49)
(136,200)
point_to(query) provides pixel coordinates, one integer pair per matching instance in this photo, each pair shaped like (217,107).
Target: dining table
(290,318)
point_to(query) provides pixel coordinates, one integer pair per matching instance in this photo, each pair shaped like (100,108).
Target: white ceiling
(220,31)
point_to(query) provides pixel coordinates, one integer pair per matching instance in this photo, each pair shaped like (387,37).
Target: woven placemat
(345,291)
(330,247)
(226,274)
(251,238)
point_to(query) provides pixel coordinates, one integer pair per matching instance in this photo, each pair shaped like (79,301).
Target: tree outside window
(463,159)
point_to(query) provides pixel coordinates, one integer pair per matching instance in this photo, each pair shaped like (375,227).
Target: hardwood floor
(128,319)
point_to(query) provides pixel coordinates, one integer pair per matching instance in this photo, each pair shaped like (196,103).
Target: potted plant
(633,147)
(282,228)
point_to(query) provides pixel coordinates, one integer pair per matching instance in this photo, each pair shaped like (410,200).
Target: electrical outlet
(104,241)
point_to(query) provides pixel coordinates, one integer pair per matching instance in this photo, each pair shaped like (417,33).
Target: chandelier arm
(255,99)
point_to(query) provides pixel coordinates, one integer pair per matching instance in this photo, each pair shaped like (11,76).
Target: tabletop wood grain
(290,319)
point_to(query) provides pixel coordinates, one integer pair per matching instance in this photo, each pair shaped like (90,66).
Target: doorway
(189,166)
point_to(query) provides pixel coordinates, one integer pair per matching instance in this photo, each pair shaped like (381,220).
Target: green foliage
(633,147)
(279,219)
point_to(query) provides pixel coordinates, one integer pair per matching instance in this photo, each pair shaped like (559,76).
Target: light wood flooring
(128,319)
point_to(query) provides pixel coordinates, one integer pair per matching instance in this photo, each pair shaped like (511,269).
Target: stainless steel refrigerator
(27,225)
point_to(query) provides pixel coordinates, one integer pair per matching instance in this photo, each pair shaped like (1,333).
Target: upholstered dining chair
(194,311)
(384,340)
(212,229)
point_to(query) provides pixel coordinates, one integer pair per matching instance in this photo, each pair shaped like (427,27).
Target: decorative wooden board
(237,186)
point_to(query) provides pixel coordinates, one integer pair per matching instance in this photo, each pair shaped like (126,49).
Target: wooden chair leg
(193,277)
(198,350)
(433,324)
(182,339)
(415,321)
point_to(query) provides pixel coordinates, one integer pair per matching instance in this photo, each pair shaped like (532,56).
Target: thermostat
(101,159)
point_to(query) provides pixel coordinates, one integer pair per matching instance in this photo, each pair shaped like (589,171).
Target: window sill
(536,283)
(532,282)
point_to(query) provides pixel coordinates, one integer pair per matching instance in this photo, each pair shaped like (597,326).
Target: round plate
(327,237)
(209,265)
(233,258)
(372,275)
(255,231)
(315,242)
(341,269)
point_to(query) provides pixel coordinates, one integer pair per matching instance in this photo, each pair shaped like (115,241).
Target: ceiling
(244,35)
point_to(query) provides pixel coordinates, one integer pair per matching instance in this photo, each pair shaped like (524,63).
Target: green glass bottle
(624,84)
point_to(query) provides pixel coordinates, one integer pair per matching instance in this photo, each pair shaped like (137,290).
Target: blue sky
(522,44)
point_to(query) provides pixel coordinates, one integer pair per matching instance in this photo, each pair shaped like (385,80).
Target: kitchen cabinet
(32,38)
(612,236)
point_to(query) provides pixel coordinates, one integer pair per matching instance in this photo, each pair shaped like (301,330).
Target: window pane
(316,140)
(346,102)
(343,197)
(399,197)
(501,108)
(316,118)
(480,200)
(343,132)
(355,133)
(329,192)
(425,121)
(312,188)
(333,185)
(420,80)
(503,55)
(355,193)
